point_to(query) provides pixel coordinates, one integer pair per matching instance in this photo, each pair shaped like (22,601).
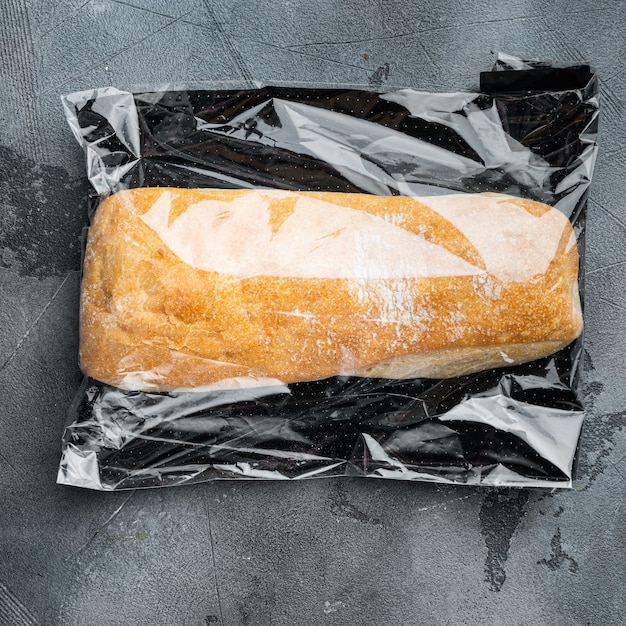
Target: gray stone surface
(338,552)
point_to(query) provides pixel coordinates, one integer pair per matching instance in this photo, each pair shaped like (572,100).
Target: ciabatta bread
(197,288)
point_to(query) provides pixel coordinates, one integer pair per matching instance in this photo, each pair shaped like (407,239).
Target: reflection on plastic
(514,426)
(402,430)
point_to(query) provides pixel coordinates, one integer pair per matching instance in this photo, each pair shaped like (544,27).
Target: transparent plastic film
(298,281)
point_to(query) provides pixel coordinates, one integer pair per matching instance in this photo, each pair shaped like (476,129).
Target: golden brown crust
(151,320)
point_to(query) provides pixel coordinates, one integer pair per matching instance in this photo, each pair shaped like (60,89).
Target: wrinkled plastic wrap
(264,264)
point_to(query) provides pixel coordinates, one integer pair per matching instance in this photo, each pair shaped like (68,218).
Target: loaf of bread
(207,288)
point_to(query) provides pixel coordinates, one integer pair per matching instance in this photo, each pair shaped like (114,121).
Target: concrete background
(338,552)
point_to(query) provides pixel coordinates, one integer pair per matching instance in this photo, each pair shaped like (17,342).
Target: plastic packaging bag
(530,134)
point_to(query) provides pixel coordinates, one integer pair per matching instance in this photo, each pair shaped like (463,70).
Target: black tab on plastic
(536,79)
